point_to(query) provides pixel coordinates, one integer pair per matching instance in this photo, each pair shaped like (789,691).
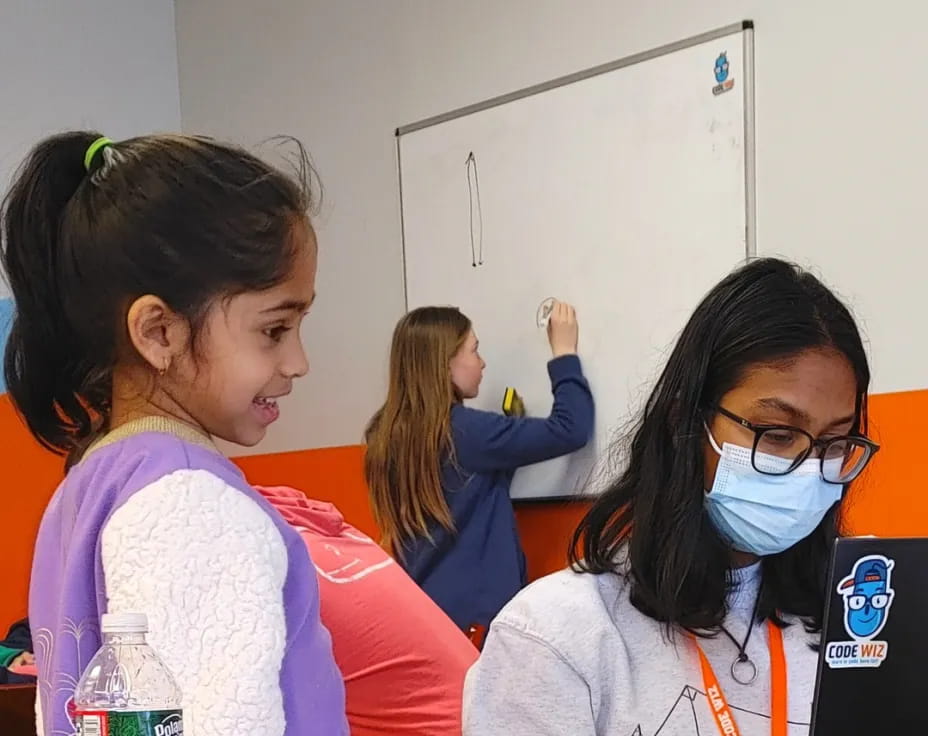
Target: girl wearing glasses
(696,589)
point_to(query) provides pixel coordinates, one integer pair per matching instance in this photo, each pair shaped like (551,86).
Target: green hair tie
(93,149)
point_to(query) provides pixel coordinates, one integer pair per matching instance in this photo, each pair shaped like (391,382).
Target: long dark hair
(653,514)
(184,218)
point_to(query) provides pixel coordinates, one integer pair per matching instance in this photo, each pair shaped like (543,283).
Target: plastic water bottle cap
(124,623)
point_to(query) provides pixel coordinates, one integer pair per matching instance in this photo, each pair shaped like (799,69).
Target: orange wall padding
(29,475)
(334,474)
(889,501)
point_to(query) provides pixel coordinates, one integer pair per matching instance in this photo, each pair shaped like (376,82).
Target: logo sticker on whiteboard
(724,81)
(868,595)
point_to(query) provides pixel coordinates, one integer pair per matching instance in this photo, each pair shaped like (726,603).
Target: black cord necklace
(743,669)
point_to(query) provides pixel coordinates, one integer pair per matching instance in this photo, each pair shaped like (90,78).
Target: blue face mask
(767,514)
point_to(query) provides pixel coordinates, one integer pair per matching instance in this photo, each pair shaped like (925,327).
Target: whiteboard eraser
(543,313)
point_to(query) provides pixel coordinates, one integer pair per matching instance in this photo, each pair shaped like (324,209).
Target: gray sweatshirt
(571,656)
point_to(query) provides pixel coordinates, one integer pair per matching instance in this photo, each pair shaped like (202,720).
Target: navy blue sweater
(473,572)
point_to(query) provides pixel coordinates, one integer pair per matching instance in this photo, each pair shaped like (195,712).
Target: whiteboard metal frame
(746,27)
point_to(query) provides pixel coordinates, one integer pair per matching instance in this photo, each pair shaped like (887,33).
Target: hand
(563,330)
(23,660)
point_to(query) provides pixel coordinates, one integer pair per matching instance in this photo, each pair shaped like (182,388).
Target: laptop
(873,664)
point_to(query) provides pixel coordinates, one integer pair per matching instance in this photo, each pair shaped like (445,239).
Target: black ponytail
(46,379)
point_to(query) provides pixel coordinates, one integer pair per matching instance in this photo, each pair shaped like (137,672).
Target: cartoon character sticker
(721,67)
(868,595)
(724,83)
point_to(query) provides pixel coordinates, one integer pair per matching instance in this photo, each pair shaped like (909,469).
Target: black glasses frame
(823,444)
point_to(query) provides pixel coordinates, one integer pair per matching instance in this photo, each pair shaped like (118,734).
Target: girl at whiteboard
(703,563)
(439,472)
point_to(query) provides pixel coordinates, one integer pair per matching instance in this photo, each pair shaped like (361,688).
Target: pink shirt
(402,658)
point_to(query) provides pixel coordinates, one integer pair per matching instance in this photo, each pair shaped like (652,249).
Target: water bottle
(126,690)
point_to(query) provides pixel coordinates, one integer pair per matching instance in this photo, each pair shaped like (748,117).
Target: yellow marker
(512,403)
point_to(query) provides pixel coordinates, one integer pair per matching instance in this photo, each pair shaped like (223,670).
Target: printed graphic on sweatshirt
(690,715)
(338,566)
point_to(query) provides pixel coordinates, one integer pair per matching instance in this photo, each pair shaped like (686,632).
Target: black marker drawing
(476,211)
(689,700)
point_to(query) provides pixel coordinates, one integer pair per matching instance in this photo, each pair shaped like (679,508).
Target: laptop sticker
(868,595)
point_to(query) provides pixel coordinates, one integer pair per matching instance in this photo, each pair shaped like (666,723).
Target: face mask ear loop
(715,445)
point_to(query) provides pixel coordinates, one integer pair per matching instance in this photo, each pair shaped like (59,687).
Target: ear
(157,332)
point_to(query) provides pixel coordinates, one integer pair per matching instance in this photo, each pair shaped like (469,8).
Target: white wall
(104,64)
(842,154)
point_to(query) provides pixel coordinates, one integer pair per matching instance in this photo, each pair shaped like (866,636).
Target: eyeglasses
(878,601)
(779,449)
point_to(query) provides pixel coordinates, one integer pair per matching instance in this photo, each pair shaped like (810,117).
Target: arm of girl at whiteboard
(486,441)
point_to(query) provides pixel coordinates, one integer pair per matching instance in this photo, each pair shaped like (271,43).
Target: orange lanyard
(724,718)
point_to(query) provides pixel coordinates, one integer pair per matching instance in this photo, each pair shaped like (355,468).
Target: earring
(164,367)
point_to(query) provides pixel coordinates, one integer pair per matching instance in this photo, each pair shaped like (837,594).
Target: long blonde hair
(409,438)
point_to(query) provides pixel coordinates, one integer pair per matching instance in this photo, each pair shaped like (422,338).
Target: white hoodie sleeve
(207,565)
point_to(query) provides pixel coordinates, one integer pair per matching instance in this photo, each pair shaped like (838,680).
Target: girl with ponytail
(160,283)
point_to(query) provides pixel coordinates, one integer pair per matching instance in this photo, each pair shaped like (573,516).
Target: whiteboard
(626,190)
